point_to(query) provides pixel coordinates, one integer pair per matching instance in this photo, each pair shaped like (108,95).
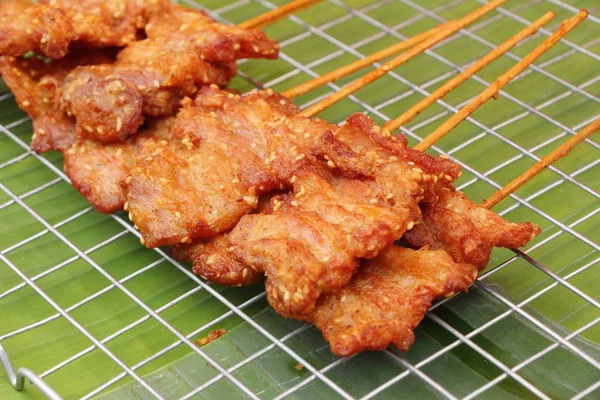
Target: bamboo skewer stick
(275,15)
(362,63)
(397,48)
(557,154)
(468,73)
(451,28)
(502,81)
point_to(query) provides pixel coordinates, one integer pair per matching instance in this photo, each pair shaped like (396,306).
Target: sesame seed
(142,241)
(245,272)
(236,46)
(250,199)
(411,163)
(294,203)
(410,225)
(389,196)
(448,178)
(119,124)
(330,164)
(418,170)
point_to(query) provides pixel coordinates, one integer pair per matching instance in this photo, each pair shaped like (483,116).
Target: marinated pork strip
(96,170)
(465,230)
(51,26)
(212,41)
(196,185)
(109,101)
(37,87)
(364,202)
(184,51)
(387,298)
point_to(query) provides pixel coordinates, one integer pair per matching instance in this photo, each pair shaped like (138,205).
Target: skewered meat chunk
(330,221)
(216,164)
(387,298)
(51,26)
(38,28)
(102,23)
(151,76)
(198,184)
(311,241)
(109,101)
(37,86)
(372,193)
(212,41)
(467,231)
(96,170)
(213,260)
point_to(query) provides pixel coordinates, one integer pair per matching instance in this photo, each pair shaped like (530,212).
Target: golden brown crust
(211,40)
(387,298)
(213,259)
(37,86)
(52,27)
(467,231)
(39,28)
(355,202)
(96,170)
(109,101)
(198,184)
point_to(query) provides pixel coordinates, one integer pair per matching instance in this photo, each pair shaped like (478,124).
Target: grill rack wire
(320,374)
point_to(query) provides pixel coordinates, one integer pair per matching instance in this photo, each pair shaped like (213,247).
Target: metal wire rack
(561,229)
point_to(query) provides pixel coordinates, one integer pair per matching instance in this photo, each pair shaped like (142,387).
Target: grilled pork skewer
(386,300)
(149,77)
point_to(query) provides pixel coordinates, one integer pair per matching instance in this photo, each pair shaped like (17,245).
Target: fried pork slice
(212,41)
(109,101)
(37,86)
(115,23)
(312,240)
(213,259)
(370,201)
(196,185)
(387,298)
(39,28)
(467,231)
(51,26)
(96,170)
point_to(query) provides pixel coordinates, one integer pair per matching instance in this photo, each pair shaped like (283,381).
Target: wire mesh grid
(40,213)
